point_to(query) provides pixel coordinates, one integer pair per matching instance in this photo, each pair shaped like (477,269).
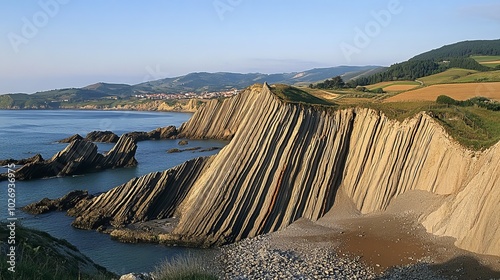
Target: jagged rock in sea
(288,161)
(102,137)
(153,196)
(156,134)
(71,138)
(163,132)
(61,204)
(35,158)
(167,132)
(79,157)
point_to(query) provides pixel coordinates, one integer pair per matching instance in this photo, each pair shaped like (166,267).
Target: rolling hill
(194,82)
(462,49)
(203,81)
(458,55)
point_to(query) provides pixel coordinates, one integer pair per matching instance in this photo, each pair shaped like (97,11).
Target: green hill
(461,49)
(456,55)
(105,93)
(203,81)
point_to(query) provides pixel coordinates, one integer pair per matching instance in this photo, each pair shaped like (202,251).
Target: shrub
(444,99)
(185,267)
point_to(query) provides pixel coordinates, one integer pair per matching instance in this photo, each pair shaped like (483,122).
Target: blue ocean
(24,133)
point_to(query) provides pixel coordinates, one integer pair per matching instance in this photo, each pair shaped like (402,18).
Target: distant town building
(187,95)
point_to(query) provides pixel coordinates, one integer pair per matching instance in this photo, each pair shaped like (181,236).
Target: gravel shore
(260,258)
(263,258)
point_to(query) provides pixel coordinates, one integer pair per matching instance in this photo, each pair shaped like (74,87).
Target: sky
(52,44)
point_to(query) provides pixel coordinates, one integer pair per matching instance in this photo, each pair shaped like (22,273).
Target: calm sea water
(25,133)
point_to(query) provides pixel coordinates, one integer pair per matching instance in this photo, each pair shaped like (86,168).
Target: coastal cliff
(288,161)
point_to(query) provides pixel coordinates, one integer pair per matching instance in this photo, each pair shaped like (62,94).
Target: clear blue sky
(73,43)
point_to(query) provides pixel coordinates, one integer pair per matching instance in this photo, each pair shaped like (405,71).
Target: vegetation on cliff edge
(41,256)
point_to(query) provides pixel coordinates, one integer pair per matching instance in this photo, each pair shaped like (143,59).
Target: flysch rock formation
(102,136)
(35,158)
(167,132)
(153,196)
(79,157)
(287,161)
(93,136)
(64,203)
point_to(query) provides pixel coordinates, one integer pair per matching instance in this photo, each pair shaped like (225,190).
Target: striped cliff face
(287,161)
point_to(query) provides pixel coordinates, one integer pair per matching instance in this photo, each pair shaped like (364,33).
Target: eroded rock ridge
(79,157)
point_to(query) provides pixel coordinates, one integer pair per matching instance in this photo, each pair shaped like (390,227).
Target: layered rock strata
(64,203)
(287,161)
(102,137)
(80,157)
(167,132)
(153,196)
(35,158)
(71,138)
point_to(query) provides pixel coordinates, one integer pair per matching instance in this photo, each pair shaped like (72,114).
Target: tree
(333,83)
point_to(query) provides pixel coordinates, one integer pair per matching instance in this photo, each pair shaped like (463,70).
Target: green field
(458,75)
(488,60)
(490,76)
(446,77)
(392,83)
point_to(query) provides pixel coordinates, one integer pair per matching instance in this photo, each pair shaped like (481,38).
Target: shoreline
(178,105)
(101,109)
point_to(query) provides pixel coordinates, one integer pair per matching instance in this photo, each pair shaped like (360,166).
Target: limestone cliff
(287,161)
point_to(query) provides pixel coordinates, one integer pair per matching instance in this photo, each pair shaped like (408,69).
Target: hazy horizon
(50,44)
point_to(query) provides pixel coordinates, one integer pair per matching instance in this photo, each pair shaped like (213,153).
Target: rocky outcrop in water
(287,161)
(61,204)
(156,134)
(167,132)
(102,137)
(35,158)
(79,157)
(71,138)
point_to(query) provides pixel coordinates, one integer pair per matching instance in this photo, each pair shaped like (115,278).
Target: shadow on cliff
(461,267)
(466,267)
